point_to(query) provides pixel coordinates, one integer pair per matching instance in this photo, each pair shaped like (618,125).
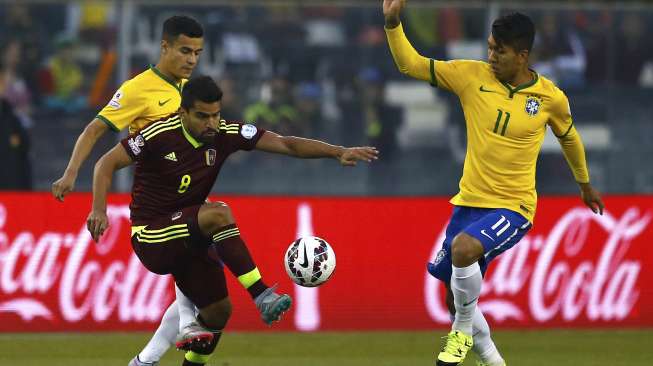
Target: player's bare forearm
(298,147)
(312,149)
(85,142)
(113,160)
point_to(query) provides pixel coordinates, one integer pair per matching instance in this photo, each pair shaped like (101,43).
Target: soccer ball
(310,261)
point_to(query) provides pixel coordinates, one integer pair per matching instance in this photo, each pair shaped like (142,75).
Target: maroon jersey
(173,170)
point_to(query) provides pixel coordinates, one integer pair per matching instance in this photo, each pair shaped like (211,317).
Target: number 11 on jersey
(498,122)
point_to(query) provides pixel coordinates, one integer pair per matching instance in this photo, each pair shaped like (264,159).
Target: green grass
(523,348)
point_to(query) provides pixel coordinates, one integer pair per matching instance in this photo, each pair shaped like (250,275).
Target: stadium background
(312,68)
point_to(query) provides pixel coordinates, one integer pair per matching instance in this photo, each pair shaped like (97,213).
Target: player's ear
(164,46)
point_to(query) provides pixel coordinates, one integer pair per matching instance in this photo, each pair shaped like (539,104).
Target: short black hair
(515,30)
(177,25)
(202,88)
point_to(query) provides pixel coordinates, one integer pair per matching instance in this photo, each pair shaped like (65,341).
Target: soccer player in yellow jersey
(507,107)
(150,96)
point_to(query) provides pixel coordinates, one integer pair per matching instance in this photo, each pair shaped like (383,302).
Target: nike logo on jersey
(486,234)
(485,90)
(171,156)
(161,104)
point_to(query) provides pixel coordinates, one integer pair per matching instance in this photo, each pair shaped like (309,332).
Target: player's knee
(216,215)
(465,250)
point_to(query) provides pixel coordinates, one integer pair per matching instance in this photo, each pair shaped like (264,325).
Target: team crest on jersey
(533,105)
(248,131)
(135,143)
(210,157)
(115,101)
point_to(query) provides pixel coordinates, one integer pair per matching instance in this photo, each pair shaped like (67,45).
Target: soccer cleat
(193,336)
(272,305)
(455,349)
(479,363)
(136,362)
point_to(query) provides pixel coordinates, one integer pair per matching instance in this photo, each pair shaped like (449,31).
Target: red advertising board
(573,269)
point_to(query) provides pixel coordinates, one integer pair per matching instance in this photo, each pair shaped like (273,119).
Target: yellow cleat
(455,349)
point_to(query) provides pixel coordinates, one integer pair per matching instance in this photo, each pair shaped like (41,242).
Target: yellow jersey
(147,97)
(506,126)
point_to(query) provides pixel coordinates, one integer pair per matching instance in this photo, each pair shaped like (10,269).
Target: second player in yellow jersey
(507,108)
(506,126)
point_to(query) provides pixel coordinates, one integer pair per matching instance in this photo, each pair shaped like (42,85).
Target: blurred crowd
(314,71)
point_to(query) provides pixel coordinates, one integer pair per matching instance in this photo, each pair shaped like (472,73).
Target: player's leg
(442,269)
(161,340)
(204,284)
(190,330)
(484,347)
(216,221)
(479,242)
(159,246)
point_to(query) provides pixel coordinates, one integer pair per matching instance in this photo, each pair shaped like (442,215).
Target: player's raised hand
(591,198)
(96,223)
(391,11)
(62,186)
(351,155)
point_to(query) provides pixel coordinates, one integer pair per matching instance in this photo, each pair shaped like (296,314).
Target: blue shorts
(498,229)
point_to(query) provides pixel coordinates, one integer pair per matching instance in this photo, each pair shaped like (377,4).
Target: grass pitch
(520,348)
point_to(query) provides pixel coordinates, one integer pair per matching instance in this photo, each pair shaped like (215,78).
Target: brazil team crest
(533,105)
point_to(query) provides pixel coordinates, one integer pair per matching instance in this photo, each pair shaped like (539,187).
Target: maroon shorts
(173,244)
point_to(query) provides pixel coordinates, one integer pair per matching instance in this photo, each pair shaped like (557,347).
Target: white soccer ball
(310,261)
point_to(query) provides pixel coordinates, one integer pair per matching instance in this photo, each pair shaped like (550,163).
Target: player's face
(504,60)
(203,120)
(181,56)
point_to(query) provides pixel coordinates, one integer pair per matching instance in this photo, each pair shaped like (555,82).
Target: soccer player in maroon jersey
(177,161)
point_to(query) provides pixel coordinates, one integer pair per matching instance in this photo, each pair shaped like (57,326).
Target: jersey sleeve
(454,75)
(560,119)
(136,146)
(562,126)
(240,136)
(123,108)
(406,58)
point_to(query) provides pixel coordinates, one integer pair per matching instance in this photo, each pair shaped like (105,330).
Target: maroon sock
(234,254)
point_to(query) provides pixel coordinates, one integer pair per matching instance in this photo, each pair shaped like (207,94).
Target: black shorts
(173,244)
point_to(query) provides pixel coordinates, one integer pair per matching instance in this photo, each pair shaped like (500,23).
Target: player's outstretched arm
(408,61)
(85,142)
(117,158)
(313,149)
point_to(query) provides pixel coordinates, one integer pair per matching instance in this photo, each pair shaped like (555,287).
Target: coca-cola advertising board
(573,269)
